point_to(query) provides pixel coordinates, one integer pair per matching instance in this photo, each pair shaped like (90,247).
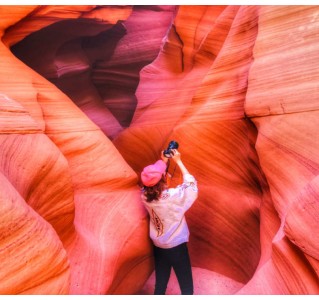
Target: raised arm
(176,156)
(189,188)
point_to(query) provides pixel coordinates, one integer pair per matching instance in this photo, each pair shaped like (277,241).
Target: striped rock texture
(89,95)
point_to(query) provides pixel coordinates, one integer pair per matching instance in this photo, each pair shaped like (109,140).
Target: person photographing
(168,228)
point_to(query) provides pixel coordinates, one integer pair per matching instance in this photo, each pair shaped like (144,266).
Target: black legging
(178,258)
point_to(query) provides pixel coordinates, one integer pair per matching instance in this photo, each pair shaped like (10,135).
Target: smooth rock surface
(89,95)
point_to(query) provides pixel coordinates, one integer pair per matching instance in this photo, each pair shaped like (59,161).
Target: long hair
(154,192)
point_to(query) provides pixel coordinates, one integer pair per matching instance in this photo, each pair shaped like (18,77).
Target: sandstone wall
(90,95)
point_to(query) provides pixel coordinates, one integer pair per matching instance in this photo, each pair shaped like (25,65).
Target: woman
(168,228)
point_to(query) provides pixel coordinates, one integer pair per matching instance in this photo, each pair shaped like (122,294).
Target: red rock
(42,179)
(301,221)
(236,86)
(33,259)
(208,131)
(64,155)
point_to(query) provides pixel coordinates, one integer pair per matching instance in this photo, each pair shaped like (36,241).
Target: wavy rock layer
(286,117)
(33,258)
(235,85)
(217,144)
(73,183)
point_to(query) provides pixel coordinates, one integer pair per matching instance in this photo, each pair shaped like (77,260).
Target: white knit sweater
(168,227)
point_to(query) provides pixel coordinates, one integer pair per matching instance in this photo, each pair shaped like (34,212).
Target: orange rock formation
(91,94)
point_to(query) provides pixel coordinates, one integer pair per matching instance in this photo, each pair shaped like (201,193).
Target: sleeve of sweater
(189,191)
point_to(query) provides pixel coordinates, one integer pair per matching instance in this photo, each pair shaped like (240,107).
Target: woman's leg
(162,270)
(183,270)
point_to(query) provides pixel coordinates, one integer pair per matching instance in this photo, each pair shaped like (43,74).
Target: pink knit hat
(152,174)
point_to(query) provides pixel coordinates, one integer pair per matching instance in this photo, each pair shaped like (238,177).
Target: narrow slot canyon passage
(99,91)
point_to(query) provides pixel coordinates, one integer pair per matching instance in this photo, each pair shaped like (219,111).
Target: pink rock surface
(285,115)
(33,258)
(90,94)
(78,185)
(217,144)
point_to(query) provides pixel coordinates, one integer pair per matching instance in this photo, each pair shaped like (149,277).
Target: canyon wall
(89,95)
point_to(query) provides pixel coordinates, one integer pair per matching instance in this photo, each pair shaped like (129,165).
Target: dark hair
(154,192)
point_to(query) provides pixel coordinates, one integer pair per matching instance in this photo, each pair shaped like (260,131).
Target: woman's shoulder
(171,192)
(165,195)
